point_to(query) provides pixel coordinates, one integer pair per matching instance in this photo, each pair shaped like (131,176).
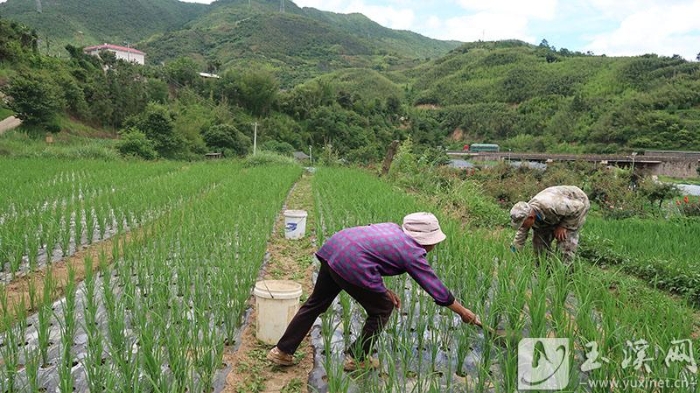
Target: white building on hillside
(122,52)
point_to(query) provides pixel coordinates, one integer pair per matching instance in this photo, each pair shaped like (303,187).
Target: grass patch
(4,113)
(19,144)
(675,180)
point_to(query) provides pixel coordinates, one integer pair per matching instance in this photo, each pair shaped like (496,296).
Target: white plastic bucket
(277,301)
(294,224)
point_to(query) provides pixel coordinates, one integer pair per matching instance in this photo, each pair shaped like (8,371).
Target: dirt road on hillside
(9,123)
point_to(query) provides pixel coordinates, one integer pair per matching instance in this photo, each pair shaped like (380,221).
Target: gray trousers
(542,243)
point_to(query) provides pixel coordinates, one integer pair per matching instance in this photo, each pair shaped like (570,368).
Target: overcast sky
(611,27)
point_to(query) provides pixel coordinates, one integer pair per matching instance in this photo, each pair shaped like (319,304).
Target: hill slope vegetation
(346,95)
(535,98)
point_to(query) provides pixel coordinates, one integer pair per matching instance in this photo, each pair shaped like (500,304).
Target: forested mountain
(294,43)
(93,22)
(536,98)
(305,80)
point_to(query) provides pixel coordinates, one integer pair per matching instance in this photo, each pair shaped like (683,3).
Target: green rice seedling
(31,289)
(65,382)
(13,342)
(388,365)
(33,245)
(149,350)
(68,326)
(94,369)
(559,284)
(79,226)
(122,223)
(90,224)
(54,236)
(338,381)
(44,315)
(346,315)
(537,304)
(119,345)
(484,368)
(209,355)
(463,348)
(16,253)
(177,344)
(103,220)
(32,360)
(66,231)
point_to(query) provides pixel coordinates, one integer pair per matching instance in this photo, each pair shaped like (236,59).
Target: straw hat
(423,228)
(519,213)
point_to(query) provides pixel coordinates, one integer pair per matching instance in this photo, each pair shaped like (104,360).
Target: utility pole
(255,137)
(311,158)
(281,5)
(128,51)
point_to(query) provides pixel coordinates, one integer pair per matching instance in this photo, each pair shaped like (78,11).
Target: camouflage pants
(542,243)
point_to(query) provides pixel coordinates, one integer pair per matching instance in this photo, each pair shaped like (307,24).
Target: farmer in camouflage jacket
(555,213)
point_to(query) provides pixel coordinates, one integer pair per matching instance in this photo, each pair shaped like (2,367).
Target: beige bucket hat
(424,228)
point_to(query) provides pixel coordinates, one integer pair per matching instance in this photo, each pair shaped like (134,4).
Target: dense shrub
(227,138)
(283,148)
(424,173)
(135,143)
(266,157)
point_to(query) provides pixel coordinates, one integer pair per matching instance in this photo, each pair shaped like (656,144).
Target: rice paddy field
(172,252)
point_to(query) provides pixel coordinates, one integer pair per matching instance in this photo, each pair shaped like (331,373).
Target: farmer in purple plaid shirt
(354,260)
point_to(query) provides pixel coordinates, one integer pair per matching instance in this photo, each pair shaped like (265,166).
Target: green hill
(92,22)
(317,78)
(296,45)
(534,98)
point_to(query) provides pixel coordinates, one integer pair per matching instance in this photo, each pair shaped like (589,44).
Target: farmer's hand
(394,299)
(470,317)
(560,233)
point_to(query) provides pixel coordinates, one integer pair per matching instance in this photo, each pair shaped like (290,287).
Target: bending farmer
(555,213)
(354,260)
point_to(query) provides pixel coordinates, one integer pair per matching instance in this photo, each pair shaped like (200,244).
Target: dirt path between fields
(9,123)
(287,260)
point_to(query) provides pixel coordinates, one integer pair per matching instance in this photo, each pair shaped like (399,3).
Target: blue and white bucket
(294,224)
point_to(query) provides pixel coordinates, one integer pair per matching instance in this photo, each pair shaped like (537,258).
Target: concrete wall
(676,168)
(124,55)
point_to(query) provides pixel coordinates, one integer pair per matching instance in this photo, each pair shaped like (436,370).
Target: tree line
(523,97)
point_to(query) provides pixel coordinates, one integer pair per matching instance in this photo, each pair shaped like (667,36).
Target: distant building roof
(300,155)
(113,47)
(208,75)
